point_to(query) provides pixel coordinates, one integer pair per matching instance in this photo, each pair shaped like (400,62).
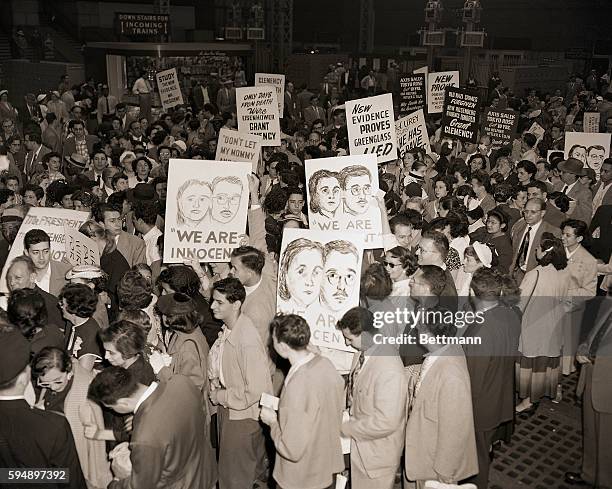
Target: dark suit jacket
(517,236)
(291,106)
(303,99)
(32,438)
(171,452)
(54,315)
(491,366)
(554,216)
(33,165)
(601,386)
(584,202)
(311,114)
(601,247)
(607,200)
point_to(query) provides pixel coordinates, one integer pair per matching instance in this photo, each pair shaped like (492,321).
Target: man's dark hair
(357,320)
(147,211)
(26,310)
(250,257)
(99,210)
(231,289)
(528,166)
(35,236)
(33,136)
(38,191)
(81,300)
(129,338)
(483,179)
(541,186)
(50,118)
(530,139)
(112,384)
(486,283)
(180,278)
(292,330)
(408,217)
(435,278)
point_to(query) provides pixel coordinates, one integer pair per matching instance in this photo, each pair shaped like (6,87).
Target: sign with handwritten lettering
(257,109)
(277,81)
(81,249)
(436,89)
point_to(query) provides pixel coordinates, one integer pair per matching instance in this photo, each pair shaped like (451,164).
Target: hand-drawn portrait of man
(340,274)
(595,156)
(226,196)
(300,274)
(578,151)
(324,188)
(193,202)
(356,185)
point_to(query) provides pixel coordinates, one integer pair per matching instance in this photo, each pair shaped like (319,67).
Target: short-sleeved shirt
(83,340)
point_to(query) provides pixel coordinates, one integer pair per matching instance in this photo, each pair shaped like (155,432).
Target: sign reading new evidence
(461,114)
(169,88)
(371,127)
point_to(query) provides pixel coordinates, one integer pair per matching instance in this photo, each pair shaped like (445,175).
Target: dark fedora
(572,165)
(14,355)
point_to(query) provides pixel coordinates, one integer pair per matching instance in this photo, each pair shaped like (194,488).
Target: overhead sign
(411,93)
(169,88)
(461,114)
(371,127)
(143,25)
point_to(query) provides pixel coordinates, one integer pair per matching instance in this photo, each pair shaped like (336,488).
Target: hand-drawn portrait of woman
(300,274)
(226,196)
(578,151)
(193,202)
(325,197)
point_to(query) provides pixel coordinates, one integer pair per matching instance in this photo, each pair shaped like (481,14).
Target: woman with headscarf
(475,257)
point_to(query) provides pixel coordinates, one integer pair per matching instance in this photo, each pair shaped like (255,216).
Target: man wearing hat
(582,206)
(226,97)
(30,437)
(106,104)
(10,222)
(74,165)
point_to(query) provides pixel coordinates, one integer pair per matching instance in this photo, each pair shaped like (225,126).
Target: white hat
(125,154)
(485,255)
(182,147)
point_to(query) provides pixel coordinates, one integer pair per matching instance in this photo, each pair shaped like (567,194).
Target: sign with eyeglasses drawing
(341,194)
(318,279)
(206,210)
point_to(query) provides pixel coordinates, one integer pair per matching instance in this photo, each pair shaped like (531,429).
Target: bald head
(21,274)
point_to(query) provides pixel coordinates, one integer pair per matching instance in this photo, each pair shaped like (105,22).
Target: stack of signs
(371,127)
(589,147)
(238,146)
(411,93)
(52,221)
(318,279)
(436,89)
(461,115)
(206,210)
(500,126)
(591,121)
(257,111)
(341,194)
(412,133)
(277,81)
(169,89)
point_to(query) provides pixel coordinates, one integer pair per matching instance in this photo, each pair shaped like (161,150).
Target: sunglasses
(391,265)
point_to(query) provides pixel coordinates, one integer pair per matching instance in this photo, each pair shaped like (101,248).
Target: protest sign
(591,121)
(436,89)
(500,126)
(206,210)
(412,133)
(411,93)
(169,88)
(461,115)
(277,81)
(424,70)
(589,147)
(371,127)
(238,146)
(81,249)
(52,221)
(318,279)
(340,196)
(537,130)
(258,113)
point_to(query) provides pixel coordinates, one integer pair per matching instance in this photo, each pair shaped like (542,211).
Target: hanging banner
(461,115)
(591,121)
(411,93)
(81,249)
(500,126)
(277,81)
(371,127)
(436,89)
(412,133)
(169,88)
(238,146)
(51,220)
(206,210)
(258,113)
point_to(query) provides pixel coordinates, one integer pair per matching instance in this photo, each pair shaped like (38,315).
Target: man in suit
(538,190)
(314,111)
(377,407)
(106,104)
(600,231)
(291,105)
(433,250)
(36,152)
(50,274)
(30,437)
(52,135)
(30,114)
(303,98)
(226,97)
(243,361)
(582,206)
(491,364)
(526,235)
(441,446)
(595,356)
(131,247)
(78,141)
(170,445)
(199,96)
(602,192)
(99,162)
(21,274)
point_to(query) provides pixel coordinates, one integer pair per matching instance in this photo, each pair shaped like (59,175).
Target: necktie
(522,254)
(351,380)
(107,106)
(99,181)
(564,189)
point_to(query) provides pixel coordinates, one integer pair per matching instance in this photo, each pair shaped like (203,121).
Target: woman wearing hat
(7,111)
(475,257)
(64,384)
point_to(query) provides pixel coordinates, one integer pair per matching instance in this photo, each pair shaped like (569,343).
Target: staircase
(5,53)
(66,48)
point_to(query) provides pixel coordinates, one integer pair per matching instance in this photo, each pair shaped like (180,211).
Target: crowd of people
(141,374)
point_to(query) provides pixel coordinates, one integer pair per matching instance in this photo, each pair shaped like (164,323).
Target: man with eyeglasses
(356,185)
(8,130)
(526,235)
